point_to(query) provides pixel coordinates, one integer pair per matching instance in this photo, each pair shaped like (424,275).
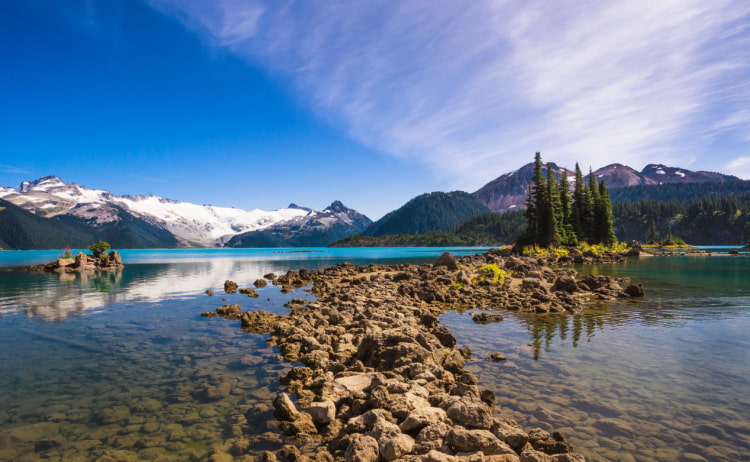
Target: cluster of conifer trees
(555,218)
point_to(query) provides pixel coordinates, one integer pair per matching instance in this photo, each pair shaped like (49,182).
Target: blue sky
(256,104)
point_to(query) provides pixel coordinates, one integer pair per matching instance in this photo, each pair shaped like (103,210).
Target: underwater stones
(486,318)
(496,357)
(113,415)
(216,392)
(250,292)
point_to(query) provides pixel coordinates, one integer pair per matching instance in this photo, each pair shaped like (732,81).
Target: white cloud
(473,89)
(739,167)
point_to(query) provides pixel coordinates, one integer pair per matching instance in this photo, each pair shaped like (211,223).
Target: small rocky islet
(82,262)
(376,377)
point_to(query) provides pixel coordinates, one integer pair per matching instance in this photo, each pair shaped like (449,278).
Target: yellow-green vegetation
(498,274)
(596,250)
(535,251)
(457,285)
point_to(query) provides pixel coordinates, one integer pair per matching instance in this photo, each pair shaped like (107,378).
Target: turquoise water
(122,364)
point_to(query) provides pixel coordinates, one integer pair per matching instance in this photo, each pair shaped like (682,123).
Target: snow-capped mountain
(316,229)
(191,224)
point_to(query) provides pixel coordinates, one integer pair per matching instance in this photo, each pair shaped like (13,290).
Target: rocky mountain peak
(338,207)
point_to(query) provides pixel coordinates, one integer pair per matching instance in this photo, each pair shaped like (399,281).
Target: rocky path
(380,379)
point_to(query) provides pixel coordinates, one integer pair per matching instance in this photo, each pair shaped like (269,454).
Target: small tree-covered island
(98,260)
(555,218)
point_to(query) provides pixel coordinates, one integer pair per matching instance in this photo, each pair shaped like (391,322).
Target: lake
(122,365)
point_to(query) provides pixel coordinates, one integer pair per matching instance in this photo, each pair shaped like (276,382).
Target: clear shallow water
(122,363)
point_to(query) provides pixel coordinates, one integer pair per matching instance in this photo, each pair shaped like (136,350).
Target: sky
(257,104)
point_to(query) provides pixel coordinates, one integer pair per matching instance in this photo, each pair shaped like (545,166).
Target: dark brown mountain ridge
(508,191)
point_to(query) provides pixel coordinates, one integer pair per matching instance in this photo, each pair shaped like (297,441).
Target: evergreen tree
(537,210)
(652,233)
(577,212)
(551,219)
(589,212)
(553,204)
(603,217)
(566,227)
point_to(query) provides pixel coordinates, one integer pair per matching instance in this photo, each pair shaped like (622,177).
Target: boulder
(477,440)
(232,311)
(454,362)
(420,418)
(566,283)
(635,290)
(322,412)
(470,412)
(362,448)
(230,287)
(114,258)
(497,356)
(448,260)
(284,408)
(259,322)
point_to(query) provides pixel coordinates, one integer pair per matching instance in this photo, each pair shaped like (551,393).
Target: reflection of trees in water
(544,328)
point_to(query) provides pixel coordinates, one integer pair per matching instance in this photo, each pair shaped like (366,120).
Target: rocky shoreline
(381,379)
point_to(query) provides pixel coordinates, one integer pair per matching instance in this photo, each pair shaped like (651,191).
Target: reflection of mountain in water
(54,297)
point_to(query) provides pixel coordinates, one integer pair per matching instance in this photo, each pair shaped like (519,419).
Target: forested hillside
(20,229)
(429,213)
(708,221)
(678,191)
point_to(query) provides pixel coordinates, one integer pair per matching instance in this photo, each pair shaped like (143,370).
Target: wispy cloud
(5,168)
(472,89)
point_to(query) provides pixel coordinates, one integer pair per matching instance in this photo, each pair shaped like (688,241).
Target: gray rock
(322,412)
